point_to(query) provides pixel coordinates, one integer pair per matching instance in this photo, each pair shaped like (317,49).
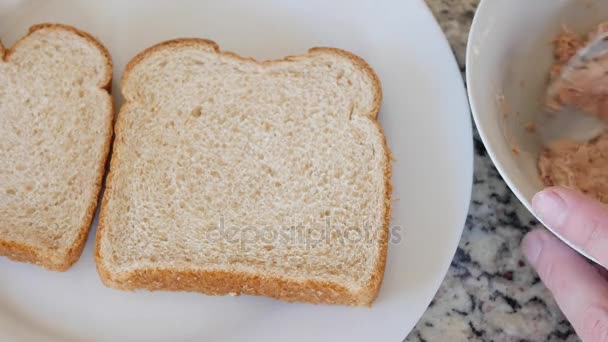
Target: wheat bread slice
(55,136)
(233,176)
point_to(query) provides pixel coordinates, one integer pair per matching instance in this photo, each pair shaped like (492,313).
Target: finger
(576,217)
(602,271)
(580,291)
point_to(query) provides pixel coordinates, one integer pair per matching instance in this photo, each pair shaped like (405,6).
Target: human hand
(580,288)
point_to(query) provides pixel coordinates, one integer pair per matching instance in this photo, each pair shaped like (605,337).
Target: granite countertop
(489,293)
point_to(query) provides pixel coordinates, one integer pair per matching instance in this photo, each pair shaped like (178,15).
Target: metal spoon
(570,122)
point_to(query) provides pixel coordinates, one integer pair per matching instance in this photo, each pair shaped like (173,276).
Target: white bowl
(509,54)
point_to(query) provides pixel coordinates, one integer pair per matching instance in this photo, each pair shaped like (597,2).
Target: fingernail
(532,246)
(550,207)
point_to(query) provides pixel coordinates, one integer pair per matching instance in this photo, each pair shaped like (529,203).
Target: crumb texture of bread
(233,176)
(54,141)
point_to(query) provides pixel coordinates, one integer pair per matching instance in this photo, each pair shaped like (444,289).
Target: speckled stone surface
(490,293)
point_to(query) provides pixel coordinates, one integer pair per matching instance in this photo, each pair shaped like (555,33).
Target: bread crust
(237,283)
(47,258)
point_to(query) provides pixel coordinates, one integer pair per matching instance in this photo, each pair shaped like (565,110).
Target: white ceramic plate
(425,115)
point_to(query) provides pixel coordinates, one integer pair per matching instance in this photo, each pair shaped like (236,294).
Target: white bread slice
(223,167)
(55,136)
